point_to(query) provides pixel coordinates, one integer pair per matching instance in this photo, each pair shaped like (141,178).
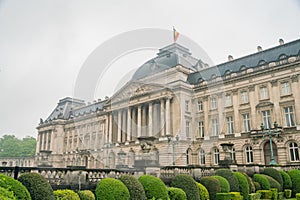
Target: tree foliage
(11,146)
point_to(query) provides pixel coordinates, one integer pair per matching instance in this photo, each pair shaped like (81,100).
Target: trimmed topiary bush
(295,177)
(5,194)
(250,183)
(225,188)
(274,193)
(275,174)
(204,195)
(110,188)
(187,184)
(265,194)
(154,187)
(10,184)
(176,194)
(243,184)
(288,193)
(223,196)
(298,196)
(280,196)
(287,182)
(273,182)
(254,196)
(86,195)
(262,180)
(212,185)
(256,185)
(66,195)
(135,188)
(232,180)
(236,196)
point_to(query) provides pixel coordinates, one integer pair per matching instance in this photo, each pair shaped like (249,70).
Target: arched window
(294,152)
(227,74)
(202,157)
(249,154)
(216,156)
(189,156)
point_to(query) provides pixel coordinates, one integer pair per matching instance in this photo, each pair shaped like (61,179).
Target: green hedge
(154,187)
(134,187)
(275,174)
(254,196)
(262,180)
(287,182)
(66,195)
(274,193)
(86,195)
(250,183)
(232,180)
(288,193)
(225,187)
(223,196)
(212,185)
(298,196)
(236,196)
(295,177)
(19,190)
(110,188)
(204,195)
(176,194)
(5,194)
(243,184)
(256,185)
(37,185)
(273,182)
(187,184)
(265,194)
(280,196)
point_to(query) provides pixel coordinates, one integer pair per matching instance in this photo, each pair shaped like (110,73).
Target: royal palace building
(177,110)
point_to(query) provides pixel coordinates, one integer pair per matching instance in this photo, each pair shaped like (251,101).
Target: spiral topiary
(212,185)
(110,188)
(37,185)
(187,184)
(243,184)
(295,177)
(232,180)
(18,189)
(134,187)
(66,195)
(204,195)
(176,194)
(154,187)
(86,195)
(275,174)
(262,180)
(287,182)
(225,187)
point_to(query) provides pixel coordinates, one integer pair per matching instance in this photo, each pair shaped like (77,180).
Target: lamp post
(271,134)
(173,142)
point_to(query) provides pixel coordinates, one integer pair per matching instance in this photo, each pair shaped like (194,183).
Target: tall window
(244,97)
(187,128)
(285,88)
(214,125)
(202,157)
(200,105)
(216,156)
(201,129)
(228,100)
(264,93)
(232,154)
(249,154)
(187,105)
(289,116)
(294,152)
(266,117)
(213,103)
(229,124)
(246,122)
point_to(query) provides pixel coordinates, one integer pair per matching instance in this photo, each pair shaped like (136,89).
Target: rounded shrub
(256,185)
(224,184)
(250,183)
(273,182)
(243,184)
(203,192)
(212,185)
(86,195)
(287,182)
(262,180)
(176,194)
(288,193)
(187,184)
(110,188)
(134,187)
(18,189)
(275,174)
(232,180)
(154,187)
(37,185)
(66,195)
(295,177)
(5,194)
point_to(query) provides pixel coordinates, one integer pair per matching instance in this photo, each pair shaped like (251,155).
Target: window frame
(249,154)
(264,92)
(294,152)
(289,116)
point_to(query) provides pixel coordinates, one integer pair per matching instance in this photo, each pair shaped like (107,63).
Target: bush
(298,196)
(18,189)
(86,195)
(274,193)
(250,183)
(280,196)
(295,177)
(134,187)
(187,184)
(212,185)
(223,196)
(275,174)
(254,196)
(232,180)
(225,188)
(176,194)
(287,182)
(204,195)
(262,180)
(288,193)
(236,196)
(273,182)
(65,195)
(265,194)
(154,187)
(37,185)
(5,194)
(110,188)
(256,185)
(243,184)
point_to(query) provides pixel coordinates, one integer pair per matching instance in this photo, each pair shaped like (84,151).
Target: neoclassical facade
(177,110)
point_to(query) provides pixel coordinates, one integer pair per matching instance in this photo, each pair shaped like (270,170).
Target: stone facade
(177,110)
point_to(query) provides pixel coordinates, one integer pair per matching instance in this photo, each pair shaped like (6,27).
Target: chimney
(259,48)
(281,42)
(230,58)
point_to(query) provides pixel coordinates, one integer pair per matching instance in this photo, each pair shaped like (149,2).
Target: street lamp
(271,134)
(173,142)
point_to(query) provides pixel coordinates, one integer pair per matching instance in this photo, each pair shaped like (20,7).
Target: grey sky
(43,44)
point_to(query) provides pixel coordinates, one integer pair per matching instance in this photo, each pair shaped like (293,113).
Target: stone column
(78,138)
(155,121)
(129,124)
(134,124)
(119,126)
(144,120)
(47,139)
(105,132)
(150,130)
(73,140)
(110,128)
(139,122)
(43,141)
(162,118)
(124,126)
(168,122)
(235,101)
(38,140)
(97,132)
(52,141)
(295,87)
(68,142)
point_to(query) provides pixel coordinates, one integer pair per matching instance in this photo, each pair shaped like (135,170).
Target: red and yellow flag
(175,34)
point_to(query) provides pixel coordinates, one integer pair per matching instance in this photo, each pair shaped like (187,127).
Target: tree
(11,146)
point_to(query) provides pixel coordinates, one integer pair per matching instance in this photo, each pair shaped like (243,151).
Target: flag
(175,34)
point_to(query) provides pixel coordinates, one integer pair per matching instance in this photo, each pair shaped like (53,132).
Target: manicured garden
(223,185)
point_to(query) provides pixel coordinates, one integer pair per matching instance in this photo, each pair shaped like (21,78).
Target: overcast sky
(43,44)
